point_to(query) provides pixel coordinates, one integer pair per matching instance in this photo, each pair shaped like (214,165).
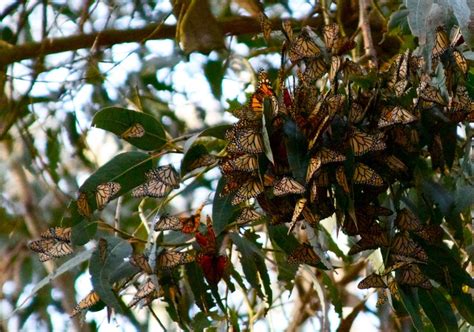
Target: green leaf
(191,155)
(399,19)
(199,288)
(128,169)
(214,71)
(465,305)
(53,149)
(439,195)
(412,308)
(200,322)
(438,310)
(117,120)
(216,131)
(334,295)
(223,212)
(103,265)
(296,147)
(81,233)
(248,261)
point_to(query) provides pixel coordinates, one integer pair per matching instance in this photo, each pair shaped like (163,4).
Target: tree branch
(364,25)
(230,26)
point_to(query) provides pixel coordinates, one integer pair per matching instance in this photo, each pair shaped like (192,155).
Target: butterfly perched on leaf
(362,143)
(248,215)
(302,47)
(372,281)
(370,240)
(245,141)
(407,221)
(171,259)
(412,276)
(342,179)
(395,115)
(363,174)
(159,182)
(184,224)
(265,26)
(299,207)
(145,294)
(335,43)
(57,233)
(83,205)
(249,189)
(54,243)
(304,254)
(105,192)
(402,244)
(87,302)
(286,186)
(240,162)
(134,131)
(141,261)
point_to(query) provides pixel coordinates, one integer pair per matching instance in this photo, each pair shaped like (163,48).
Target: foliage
(339,161)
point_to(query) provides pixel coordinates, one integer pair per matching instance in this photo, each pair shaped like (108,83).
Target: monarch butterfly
(362,143)
(299,207)
(342,179)
(134,131)
(303,47)
(203,161)
(314,165)
(432,234)
(441,42)
(399,87)
(152,188)
(335,103)
(330,156)
(363,174)
(330,35)
(362,223)
(393,288)
(244,162)
(165,174)
(247,215)
(266,26)
(461,61)
(315,68)
(412,276)
(404,245)
(50,248)
(105,192)
(87,302)
(286,186)
(336,63)
(249,189)
(431,94)
(394,115)
(145,294)
(373,241)
(304,254)
(171,259)
(83,205)
(407,221)
(287,30)
(245,113)
(264,86)
(141,261)
(256,103)
(382,299)
(395,164)
(353,69)
(246,141)
(213,266)
(207,241)
(166,223)
(356,113)
(57,233)
(372,281)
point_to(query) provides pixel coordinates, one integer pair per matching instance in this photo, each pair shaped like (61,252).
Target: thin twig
(366,33)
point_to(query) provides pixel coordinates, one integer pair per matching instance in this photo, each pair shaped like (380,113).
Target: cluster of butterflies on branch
(330,145)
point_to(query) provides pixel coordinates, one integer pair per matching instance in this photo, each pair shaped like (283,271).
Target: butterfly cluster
(355,138)
(54,243)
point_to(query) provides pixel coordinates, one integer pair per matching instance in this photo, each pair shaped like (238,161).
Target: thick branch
(366,33)
(230,26)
